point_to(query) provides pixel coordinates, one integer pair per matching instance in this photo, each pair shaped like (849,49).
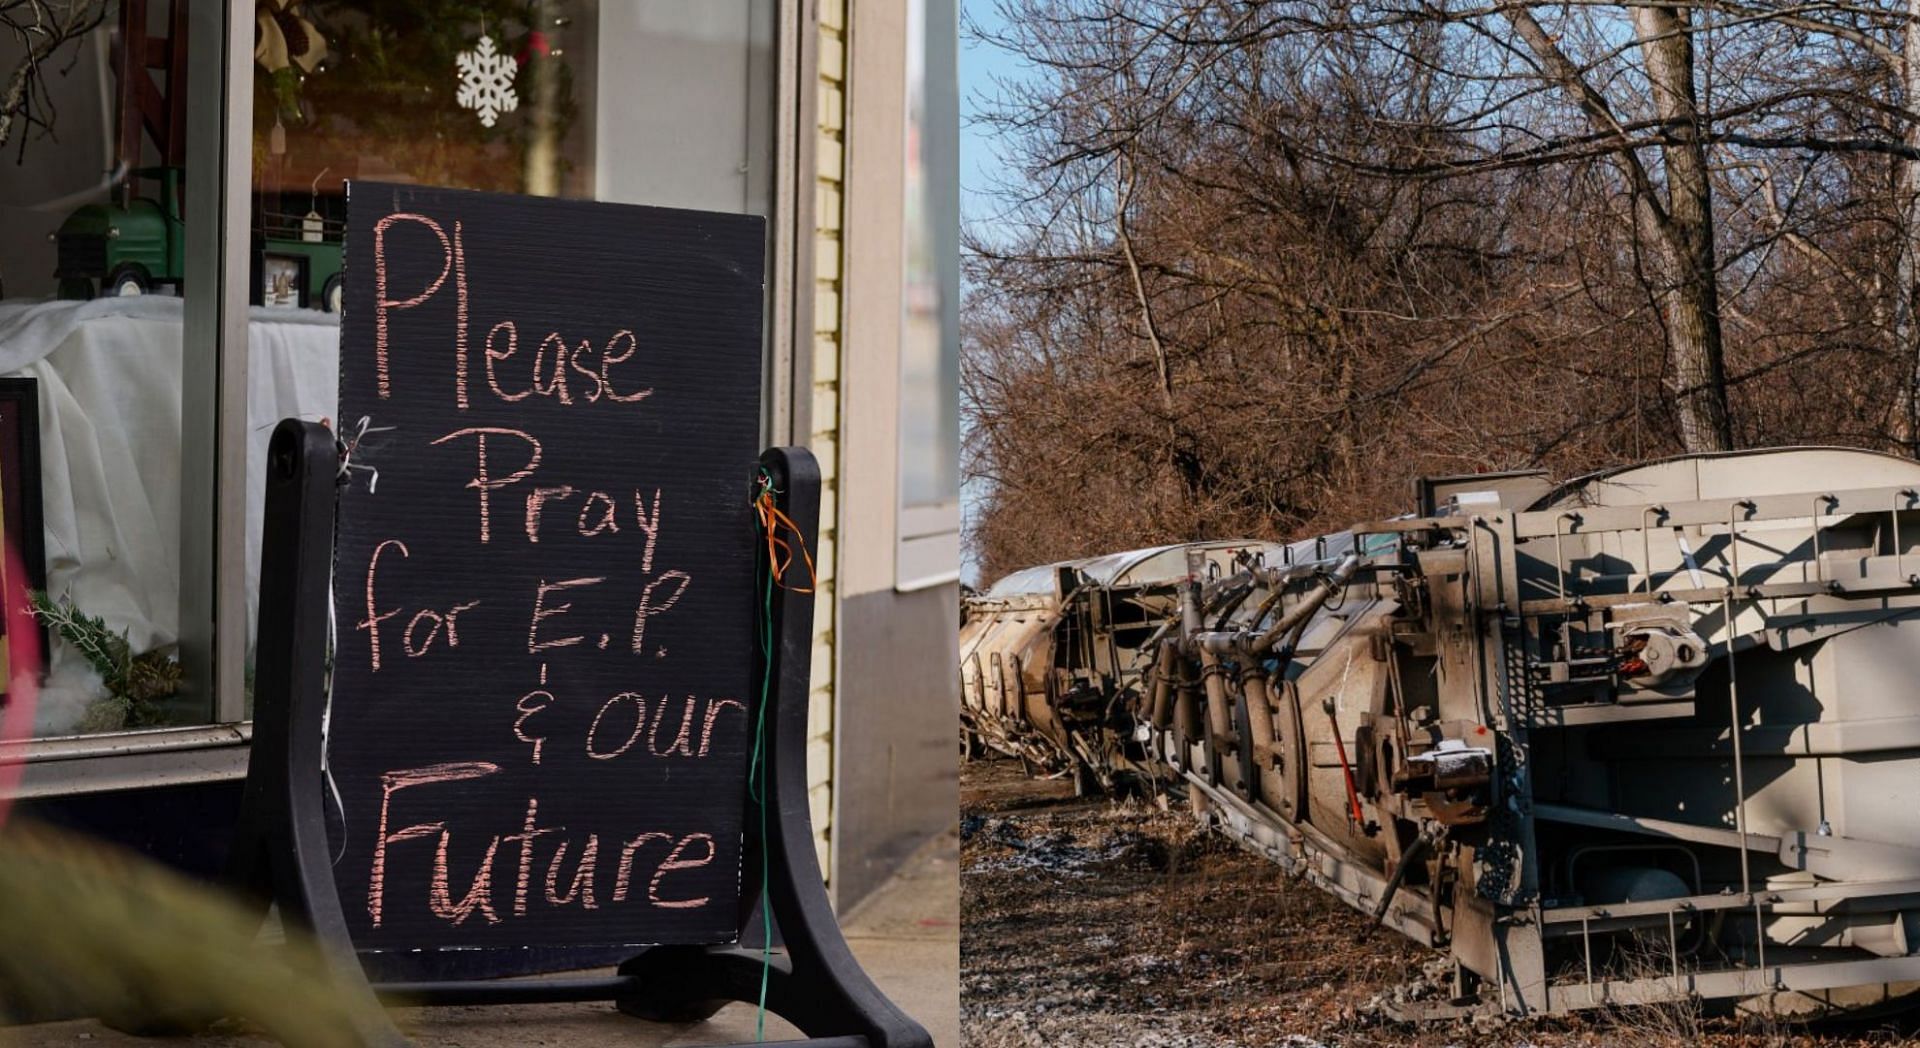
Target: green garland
(136,684)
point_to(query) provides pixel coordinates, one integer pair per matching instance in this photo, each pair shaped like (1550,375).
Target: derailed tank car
(1645,735)
(1050,656)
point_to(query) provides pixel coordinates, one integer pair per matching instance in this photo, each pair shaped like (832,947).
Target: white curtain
(110,409)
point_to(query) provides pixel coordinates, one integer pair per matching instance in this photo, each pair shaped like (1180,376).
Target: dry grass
(1118,923)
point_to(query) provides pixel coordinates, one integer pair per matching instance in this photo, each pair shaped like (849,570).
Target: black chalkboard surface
(544,592)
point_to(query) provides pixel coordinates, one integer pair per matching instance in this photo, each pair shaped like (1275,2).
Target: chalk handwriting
(541,611)
(483,479)
(651,606)
(680,851)
(382,304)
(392,783)
(632,704)
(531,703)
(554,434)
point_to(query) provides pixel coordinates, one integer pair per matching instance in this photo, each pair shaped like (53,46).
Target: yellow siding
(826,399)
(831,106)
(827,550)
(826,301)
(830,163)
(830,175)
(826,259)
(833,54)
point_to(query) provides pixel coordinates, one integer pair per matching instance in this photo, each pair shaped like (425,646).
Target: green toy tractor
(125,247)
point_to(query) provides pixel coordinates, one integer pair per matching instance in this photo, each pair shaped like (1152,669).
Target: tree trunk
(1679,236)
(1906,334)
(1690,304)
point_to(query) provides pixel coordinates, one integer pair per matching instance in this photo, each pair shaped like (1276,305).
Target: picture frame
(280,279)
(22,516)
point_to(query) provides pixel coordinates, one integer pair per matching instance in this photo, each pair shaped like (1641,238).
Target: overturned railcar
(1649,734)
(1050,656)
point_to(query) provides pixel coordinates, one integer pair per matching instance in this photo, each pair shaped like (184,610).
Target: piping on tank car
(1643,735)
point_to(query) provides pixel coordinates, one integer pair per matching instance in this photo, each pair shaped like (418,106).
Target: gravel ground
(1098,922)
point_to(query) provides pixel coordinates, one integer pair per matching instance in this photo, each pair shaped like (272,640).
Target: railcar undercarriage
(1646,735)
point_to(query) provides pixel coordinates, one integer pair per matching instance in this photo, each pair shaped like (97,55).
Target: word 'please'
(566,371)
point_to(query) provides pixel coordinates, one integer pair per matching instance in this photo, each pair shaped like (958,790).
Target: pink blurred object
(24,663)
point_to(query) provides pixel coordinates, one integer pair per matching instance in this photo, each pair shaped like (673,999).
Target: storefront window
(96,284)
(656,102)
(930,343)
(113,360)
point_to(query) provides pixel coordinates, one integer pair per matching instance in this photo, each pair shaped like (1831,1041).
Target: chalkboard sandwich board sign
(533,547)
(544,570)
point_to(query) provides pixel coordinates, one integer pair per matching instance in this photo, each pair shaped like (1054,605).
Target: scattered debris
(1101,922)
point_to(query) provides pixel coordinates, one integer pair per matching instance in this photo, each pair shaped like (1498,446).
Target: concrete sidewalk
(906,935)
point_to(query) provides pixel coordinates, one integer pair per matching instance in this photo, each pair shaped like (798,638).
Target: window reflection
(658,102)
(92,269)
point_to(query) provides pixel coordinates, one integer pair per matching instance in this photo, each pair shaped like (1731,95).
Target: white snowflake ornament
(486,81)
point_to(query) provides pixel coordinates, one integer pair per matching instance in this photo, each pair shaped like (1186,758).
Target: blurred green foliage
(91,930)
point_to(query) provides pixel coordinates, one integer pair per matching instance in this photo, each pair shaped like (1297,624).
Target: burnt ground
(1103,922)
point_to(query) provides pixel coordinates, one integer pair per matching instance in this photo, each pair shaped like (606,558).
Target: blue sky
(980,64)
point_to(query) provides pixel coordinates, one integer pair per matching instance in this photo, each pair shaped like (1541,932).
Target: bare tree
(39,28)
(1262,261)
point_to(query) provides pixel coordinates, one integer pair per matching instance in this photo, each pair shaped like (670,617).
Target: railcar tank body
(1049,655)
(1649,734)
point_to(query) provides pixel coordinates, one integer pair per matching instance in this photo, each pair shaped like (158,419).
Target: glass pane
(655,102)
(930,346)
(92,263)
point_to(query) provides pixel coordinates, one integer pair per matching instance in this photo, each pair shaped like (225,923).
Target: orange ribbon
(779,551)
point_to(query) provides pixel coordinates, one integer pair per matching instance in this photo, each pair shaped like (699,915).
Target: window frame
(215,271)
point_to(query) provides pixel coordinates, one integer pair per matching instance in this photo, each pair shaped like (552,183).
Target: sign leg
(280,851)
(816,984)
